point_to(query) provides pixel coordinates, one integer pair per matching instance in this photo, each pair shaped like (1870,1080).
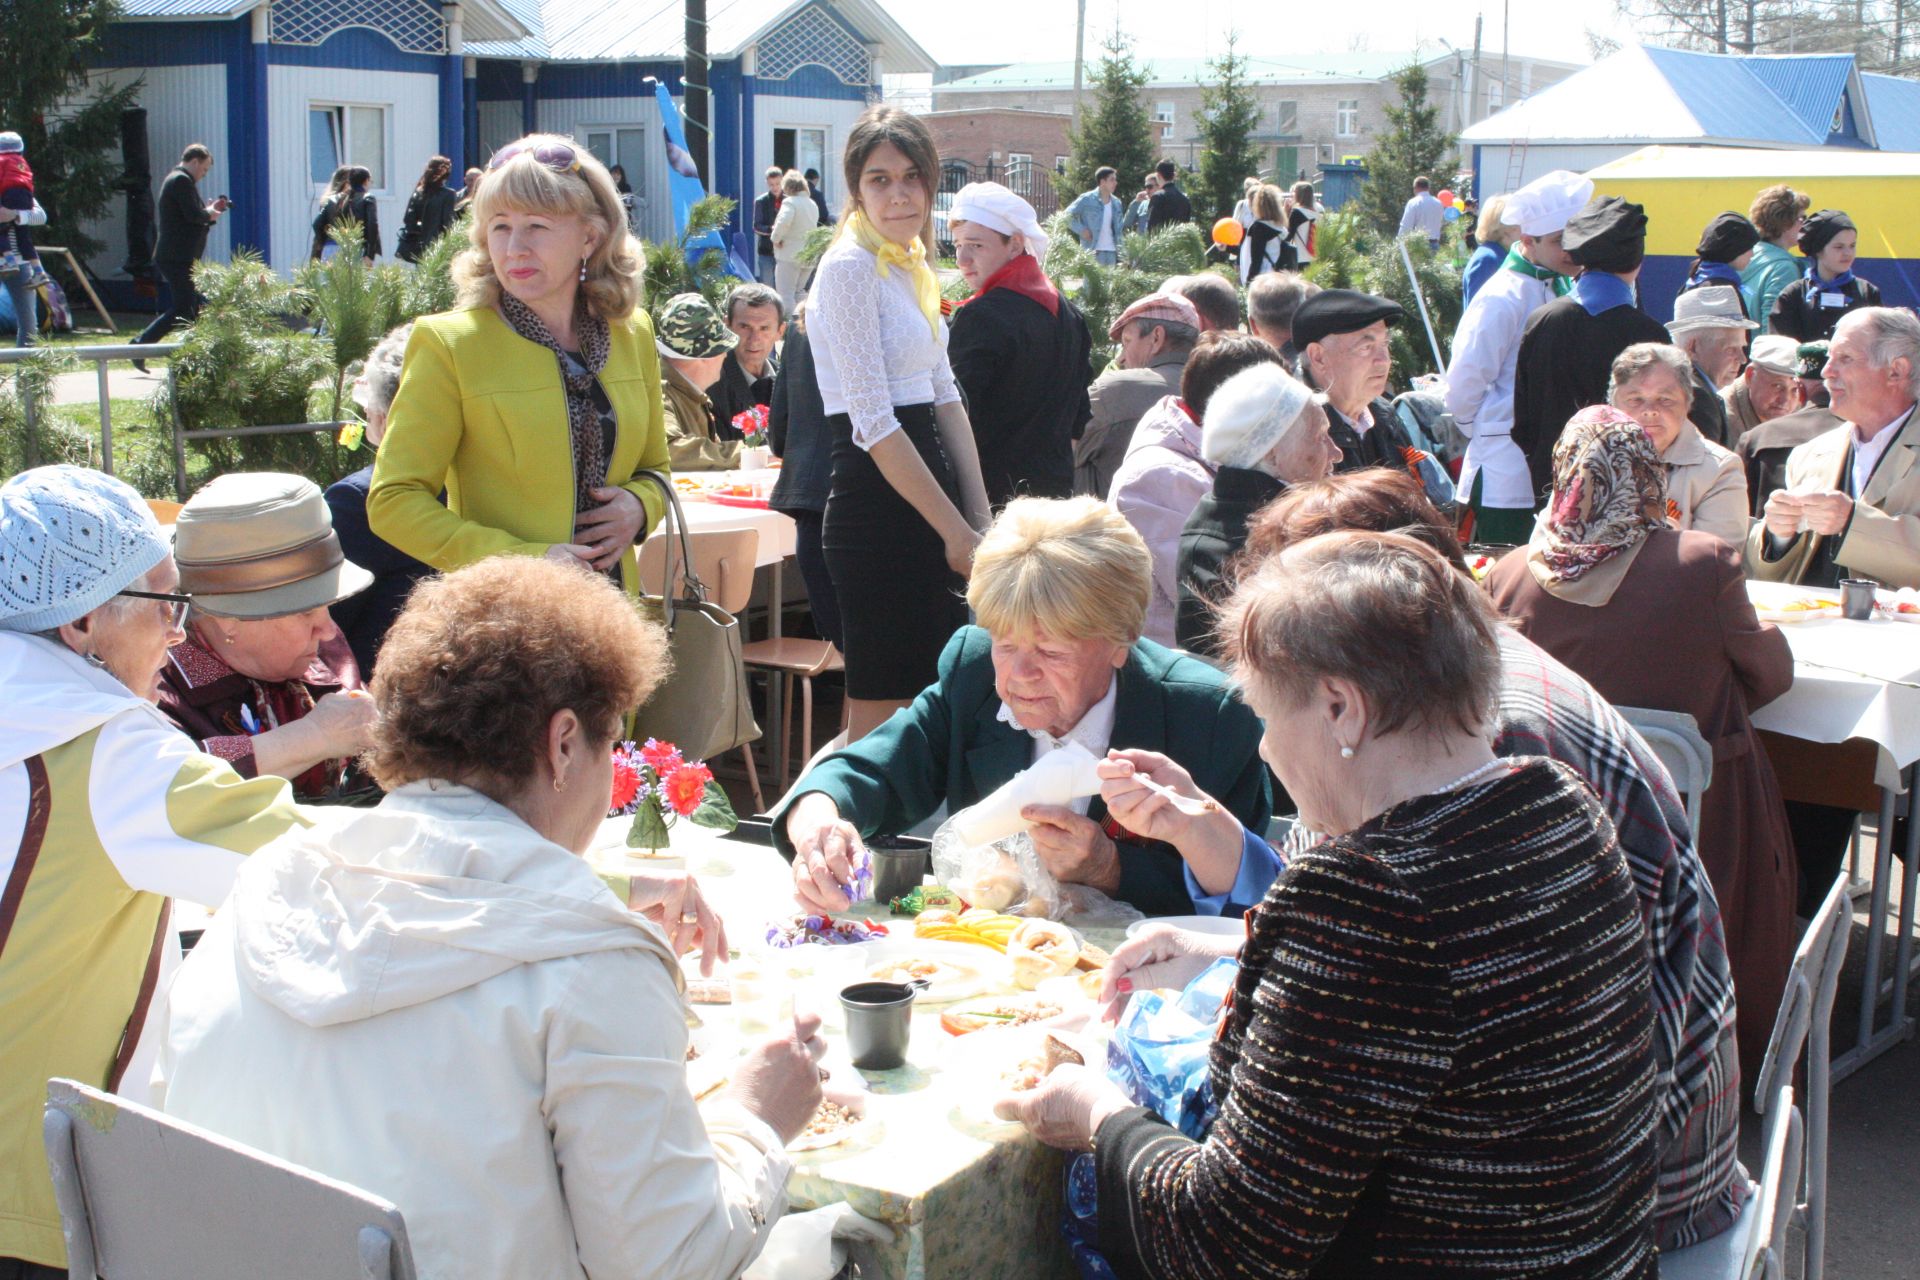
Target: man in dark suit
(819,197)
(766,207)
(1169,204)
(184,223)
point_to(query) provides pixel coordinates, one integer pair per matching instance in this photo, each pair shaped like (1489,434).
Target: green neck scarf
(1516,261)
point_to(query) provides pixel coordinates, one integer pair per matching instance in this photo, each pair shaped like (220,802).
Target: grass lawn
(128,331)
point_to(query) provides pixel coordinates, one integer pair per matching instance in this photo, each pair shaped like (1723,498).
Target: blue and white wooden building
(285,90)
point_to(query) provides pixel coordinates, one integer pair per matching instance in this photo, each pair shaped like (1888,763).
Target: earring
(1346,753)
(97,662)
(583,271)
(559,783)
(227,638)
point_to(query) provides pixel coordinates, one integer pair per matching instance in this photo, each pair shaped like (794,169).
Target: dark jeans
(14,1269)
(183,304)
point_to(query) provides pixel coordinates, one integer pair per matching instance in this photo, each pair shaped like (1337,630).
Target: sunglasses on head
(557,156)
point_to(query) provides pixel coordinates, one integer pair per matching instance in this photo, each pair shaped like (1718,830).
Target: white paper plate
(975,970)
(980,1064)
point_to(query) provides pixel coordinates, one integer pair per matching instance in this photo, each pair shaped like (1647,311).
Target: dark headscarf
(1610,234)
(1609,493)
(1820,230)
(1726,238)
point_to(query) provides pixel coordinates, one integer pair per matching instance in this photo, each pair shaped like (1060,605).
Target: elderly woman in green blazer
(1060,589)
(536,405)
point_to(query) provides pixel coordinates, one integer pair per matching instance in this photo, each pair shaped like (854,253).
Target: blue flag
(685,187)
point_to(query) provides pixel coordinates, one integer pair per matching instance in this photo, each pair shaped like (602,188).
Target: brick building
(1314,109)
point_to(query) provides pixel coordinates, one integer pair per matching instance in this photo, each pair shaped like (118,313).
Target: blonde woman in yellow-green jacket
(536,406)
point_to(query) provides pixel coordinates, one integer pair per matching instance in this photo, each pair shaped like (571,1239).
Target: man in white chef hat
(1486,350)
(1020,351)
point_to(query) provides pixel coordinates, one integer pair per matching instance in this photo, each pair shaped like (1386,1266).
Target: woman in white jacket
(437,999)
(797,219)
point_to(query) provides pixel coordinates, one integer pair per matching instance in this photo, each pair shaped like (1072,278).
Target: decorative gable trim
(414,26)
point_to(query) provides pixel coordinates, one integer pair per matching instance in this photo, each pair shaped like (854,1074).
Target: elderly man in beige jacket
(1852,502)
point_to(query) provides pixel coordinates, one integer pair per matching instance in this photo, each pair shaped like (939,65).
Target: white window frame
(1163,115)
(1286,117)
(1346,117)
(1019,159)
(826,150)
(386,188)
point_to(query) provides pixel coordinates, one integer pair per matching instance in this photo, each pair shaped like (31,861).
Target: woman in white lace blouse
(907,504)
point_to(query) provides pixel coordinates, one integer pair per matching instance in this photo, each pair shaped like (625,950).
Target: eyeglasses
(557,156)
(177,605)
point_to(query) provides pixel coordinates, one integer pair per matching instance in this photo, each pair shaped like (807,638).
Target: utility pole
(698,98)
(1473,97)
(1506,53)
(1079,59)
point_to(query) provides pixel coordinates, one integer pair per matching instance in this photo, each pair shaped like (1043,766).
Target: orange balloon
(1228,232)
(1446,198)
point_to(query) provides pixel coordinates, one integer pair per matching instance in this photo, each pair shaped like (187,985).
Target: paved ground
(124,382)
(1874,1151)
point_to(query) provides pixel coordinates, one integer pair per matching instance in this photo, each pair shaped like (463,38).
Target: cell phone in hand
(222,203)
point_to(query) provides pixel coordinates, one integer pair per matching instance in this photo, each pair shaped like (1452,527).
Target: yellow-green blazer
(481,413)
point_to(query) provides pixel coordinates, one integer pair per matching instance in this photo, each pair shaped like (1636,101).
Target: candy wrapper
(928,897)
(822,930)
(1159,1053)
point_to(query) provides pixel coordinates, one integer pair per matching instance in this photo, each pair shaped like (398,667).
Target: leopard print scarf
(579,377)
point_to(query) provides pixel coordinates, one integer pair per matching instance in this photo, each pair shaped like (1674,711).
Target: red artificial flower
(662,757)
(686,787)
(626,783)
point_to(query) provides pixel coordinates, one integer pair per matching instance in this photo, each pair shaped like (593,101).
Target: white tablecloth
(777,530)
(1856,700)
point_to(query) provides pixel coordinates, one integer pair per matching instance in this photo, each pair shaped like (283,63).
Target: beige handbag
(702,708)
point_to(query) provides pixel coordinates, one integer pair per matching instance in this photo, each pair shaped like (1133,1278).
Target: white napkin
(1057,778)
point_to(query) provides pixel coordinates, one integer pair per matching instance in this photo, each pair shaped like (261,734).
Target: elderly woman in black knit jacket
(1437,1054)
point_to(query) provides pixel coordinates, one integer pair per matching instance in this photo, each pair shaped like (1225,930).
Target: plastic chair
(1806,1010)
(144,1197)
(786,659)
(1675,739)
(723,559)
(1766,1257)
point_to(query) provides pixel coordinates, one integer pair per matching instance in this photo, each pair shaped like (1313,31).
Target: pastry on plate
(1041,949)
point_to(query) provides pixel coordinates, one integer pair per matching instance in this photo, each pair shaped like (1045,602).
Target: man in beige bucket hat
(264,678)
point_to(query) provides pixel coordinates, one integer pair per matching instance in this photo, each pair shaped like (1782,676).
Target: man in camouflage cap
(693,343)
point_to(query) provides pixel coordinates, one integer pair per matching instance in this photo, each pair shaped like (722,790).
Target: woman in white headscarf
(1020,351)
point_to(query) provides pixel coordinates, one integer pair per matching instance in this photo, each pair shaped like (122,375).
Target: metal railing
(100,356)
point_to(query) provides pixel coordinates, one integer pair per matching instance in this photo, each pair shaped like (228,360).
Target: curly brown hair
(481,660)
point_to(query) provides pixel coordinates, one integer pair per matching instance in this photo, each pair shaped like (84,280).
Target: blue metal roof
(1729,101)
(184,8)
(1810,85)
(1894,104)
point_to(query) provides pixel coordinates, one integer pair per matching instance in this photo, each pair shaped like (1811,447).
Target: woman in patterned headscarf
(1606,582)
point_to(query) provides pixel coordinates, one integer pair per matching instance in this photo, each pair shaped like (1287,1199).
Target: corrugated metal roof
(1810,85)
(1728,100)
(1894,104)
(1183,72)
(647,30)
(184,8)
(1677,96)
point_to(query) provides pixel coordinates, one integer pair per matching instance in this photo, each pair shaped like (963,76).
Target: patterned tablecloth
(969,1198)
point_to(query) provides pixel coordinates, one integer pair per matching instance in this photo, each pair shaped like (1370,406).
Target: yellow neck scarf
(888,255)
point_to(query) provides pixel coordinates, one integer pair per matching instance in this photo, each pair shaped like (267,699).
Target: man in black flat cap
(1567,351)
(1725,249)
(1345,354)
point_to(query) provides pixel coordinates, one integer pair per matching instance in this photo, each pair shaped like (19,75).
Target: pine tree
(1412,145)
(1114,129)
(71,132)
(1228,115)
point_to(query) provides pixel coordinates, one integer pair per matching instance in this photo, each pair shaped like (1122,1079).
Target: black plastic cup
(1856,603)
(879,1023)
(897,872)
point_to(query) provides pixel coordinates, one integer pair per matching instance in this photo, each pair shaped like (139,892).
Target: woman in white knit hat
(106,811)
(1019,350)
(1264,430)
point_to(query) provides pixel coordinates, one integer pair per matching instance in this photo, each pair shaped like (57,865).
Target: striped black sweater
(1437,1061)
